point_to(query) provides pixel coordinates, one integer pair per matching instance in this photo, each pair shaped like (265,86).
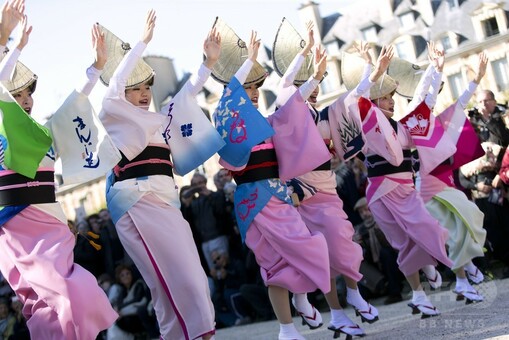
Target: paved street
(486,320)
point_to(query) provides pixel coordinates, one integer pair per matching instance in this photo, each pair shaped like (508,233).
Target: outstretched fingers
(25,33)
(363,48)
(99,47)
(481,67)
(150,23)
(320,61)
(387,53)
(212,47)
(385,57)
(254,46)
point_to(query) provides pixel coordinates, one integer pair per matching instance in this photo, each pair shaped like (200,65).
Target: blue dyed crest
(240,124)
(187,130)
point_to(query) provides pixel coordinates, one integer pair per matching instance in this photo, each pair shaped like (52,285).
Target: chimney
(309,12)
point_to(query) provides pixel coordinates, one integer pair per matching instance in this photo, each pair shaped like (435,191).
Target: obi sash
(154,160)
(262,164)
(379,166)
(16,189)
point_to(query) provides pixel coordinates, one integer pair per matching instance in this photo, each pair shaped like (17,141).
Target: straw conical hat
(406,74)
(287,44)
(352,68)
(233,54)
(21,79)
(117,49)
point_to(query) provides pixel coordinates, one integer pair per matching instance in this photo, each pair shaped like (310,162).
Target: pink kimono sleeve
(298,144)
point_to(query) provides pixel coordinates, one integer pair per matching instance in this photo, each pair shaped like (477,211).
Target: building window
(404,50)
(453,4)
(456,85)
(446,43)
(370,34)
(407,20)
(490,27)
(500,71)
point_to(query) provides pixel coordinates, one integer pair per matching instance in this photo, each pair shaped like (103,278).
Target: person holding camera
(208,212)
(484,181)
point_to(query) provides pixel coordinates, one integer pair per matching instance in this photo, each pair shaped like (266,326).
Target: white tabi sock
(354,298)
(288,331)
(418,296)
(302,304)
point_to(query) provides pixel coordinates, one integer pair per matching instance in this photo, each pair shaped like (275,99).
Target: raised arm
(436,77)
(364,51)
(382,63)
(320,63)
(119,78)
(211,51)
(150,24)
(481,67)
(9,63)
(472,86)
(212,48)
(252,54)
(101,56)
(423,86)
(362,89)
(12,14)
(294,67)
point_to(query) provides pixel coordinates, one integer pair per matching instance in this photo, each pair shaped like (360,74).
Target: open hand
(363,49)
(254,46)
(382,63)
(212,48)
(320,63)
(99,46)
(12,14)
(150,23)
(385,57)
(25,33)
(481,67)
(311,39)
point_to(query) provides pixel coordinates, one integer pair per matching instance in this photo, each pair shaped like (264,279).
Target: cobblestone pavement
(486,320)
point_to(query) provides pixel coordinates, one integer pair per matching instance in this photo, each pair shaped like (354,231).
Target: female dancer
(392,198)
(143,199)
(36,246)
(321,210)
(290,257)
(449,205)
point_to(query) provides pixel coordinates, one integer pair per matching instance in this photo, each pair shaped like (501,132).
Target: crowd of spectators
(237,289)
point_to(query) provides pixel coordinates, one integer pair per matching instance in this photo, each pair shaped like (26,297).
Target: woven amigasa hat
(22,78)
(287,44)
(117,49)
(406,74)
(233,55)
(352,68)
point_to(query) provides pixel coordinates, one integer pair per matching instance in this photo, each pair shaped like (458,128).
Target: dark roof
(404,6)
(270,97)
(268,51)
(458,20)
(328,22)
(421,46)
(345,27)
